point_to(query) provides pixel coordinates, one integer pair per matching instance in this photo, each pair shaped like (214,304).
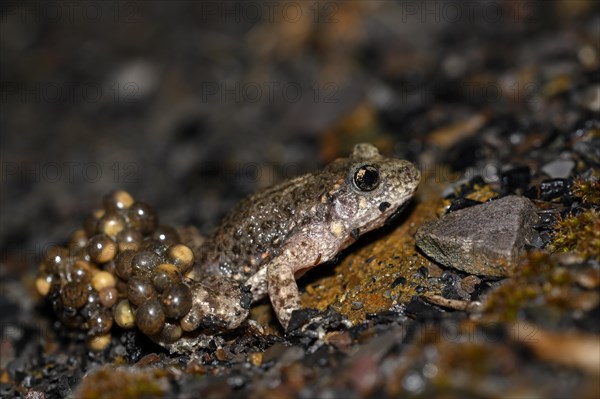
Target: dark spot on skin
(355,233)
(384,205)
(329,197)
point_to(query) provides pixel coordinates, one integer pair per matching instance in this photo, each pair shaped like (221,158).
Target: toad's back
(257,227)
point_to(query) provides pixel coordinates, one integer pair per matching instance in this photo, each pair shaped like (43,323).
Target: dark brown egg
(129,238)
(177,301)
(139,290)
(55,258)
(123,266)
(74,295)
(80,271)
(166,235)
(111,224)
(150,317)
(181,256)
(90,224)
(145,262)
(155,246)
(141,216)
(170,333)
(108,296)
(164,276)
(78,240)
(117,200)
(100,322)
(101,249)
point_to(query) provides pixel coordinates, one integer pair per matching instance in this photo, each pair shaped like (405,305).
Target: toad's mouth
(396,213)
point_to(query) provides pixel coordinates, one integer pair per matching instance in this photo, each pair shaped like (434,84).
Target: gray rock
(559,168)
(485,239)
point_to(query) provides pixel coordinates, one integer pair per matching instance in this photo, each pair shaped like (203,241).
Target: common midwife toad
(265,243)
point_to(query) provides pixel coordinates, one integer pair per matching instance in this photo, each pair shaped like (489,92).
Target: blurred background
(190,105)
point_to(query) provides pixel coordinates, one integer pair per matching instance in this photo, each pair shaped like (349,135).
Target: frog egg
(164,276)
(43,282)
(155,246)
(110,267)
(177,301)
(142,217)
(80,271)
(90,223)
(123,266)
(100,322)
(170,333)
(108,296)
(117,200)
(150,317)
(182,256)
(111,224)
(55,259)
(129,238)
(166,235)
(144,262)
(139,290)
(74,295)
(98,343)
(102,280)
(78,240)
(191,321)
(101,249)
(123,314)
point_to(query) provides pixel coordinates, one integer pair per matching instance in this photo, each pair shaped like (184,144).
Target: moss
(122,382)
(541,281)
(579,233)
(587,190)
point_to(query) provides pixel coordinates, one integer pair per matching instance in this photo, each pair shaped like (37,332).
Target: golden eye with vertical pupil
(366,178)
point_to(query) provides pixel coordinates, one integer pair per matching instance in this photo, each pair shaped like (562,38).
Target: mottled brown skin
(272,237)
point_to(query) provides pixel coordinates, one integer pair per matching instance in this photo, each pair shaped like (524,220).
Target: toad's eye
(366,178)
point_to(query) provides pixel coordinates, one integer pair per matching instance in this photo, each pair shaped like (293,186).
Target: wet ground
(192,106)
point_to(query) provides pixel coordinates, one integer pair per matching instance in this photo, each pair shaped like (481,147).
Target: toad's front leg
(294,259)
(283,290)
